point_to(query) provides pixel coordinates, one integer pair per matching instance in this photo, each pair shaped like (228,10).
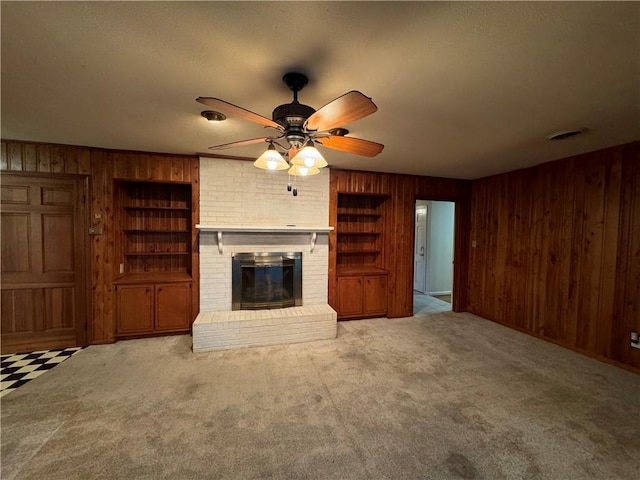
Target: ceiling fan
(300,126)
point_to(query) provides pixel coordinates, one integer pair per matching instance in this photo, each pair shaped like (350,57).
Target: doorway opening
(433,256)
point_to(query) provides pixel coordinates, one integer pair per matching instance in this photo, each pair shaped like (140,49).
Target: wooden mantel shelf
(220,229)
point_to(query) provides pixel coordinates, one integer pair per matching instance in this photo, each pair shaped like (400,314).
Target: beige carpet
(436,396)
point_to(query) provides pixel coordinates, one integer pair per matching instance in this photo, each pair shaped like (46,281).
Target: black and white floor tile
(16,369)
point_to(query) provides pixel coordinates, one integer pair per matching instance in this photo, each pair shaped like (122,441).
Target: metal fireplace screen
(266,280)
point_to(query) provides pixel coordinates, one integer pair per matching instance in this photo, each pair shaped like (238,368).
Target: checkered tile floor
(16,369)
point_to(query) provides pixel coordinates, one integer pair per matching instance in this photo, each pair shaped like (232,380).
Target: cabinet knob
(146,290)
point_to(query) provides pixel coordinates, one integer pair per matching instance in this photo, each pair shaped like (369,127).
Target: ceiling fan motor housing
(292,117)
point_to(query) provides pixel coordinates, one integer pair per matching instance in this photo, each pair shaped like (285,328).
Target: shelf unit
(154,221)
(361,279)
(153,280)
(359,232)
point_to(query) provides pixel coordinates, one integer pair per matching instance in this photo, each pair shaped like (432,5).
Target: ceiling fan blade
(241,143)
(230,109)
(343,110)
(358,146)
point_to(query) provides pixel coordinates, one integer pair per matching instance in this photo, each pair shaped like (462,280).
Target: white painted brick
(245,328)
(237,193)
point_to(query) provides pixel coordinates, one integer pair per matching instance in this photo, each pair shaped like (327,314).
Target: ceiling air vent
(565,134)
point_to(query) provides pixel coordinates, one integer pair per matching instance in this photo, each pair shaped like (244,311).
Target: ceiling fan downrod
(293,115)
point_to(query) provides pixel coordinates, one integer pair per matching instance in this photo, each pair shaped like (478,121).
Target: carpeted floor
(436,396)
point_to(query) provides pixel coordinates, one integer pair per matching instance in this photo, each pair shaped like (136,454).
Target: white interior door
(419,269)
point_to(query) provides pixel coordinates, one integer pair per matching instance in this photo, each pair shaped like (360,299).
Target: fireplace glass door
(266,280)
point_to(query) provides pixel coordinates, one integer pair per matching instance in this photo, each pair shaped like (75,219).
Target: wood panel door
(44,238)
(173,307)
(134,309)
(375,295)
(419,270)
(349,296)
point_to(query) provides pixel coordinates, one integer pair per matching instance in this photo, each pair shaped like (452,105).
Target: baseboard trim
(441,293)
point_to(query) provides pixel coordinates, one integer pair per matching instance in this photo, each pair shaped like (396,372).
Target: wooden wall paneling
(14,157)
(362,182)
(608,272)
(518,254)
(100,166)
(477,246)
(562,204)
(44,158)
(4,156)
(69,156)
(30,158)
(102,248)
(57,159)
(21,156)
(592,213)
(552,252)
(124,167)
(399,246)
(84,161)
(627,283)
(549,257)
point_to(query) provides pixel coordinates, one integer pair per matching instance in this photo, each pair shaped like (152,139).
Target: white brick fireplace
(236,194)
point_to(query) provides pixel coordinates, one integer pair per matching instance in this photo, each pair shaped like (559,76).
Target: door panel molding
(45,263)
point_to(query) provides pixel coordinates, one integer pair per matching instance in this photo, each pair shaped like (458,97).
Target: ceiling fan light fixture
(339,132)
(271,160)
(302,171)
(309,157)
(213,117)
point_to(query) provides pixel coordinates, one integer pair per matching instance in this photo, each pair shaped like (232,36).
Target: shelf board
(137,230)
(151,254)
(180,209)
(358,252)
(372,215)
(152,277)
(345,270)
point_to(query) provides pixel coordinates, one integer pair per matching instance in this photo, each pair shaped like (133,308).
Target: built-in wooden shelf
(132,207)
(344,270)
(132,230)
(152,277)
(359,252)
(144,254)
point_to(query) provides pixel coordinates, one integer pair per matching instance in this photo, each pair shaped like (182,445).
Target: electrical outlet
(122,268)
(635,340)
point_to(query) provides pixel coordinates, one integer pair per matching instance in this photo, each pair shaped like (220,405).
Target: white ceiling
(463,90)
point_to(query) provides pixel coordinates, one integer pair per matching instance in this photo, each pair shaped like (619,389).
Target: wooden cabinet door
(134,309)
(375,295)
(349,296)
(173,307)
